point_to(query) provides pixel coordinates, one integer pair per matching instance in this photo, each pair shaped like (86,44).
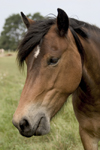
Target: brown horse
(62,57)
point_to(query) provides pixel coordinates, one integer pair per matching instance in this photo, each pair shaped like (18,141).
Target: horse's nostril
(24,125)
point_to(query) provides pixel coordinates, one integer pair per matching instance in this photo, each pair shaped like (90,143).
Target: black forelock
(32,38)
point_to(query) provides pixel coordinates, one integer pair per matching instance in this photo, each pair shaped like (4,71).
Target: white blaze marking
(37,52)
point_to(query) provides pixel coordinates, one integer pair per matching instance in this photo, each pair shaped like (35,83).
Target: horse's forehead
(52,39)
(53,36)
(52,32)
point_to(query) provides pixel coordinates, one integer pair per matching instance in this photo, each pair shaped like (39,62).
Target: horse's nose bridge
(32,89)
(21,111)
(25,109)
(30,100)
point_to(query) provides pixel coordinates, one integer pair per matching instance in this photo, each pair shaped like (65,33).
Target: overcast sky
(86,10)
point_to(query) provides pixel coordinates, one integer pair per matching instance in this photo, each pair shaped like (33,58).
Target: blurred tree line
(14,29)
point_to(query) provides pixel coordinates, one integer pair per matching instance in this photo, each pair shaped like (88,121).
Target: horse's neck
(90,83)
(92,57)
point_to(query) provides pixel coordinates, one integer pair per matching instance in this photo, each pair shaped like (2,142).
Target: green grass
(64,133)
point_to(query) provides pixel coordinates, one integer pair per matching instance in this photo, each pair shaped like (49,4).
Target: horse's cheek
(69,79)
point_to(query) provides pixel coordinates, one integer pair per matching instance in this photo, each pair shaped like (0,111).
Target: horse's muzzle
(39,126)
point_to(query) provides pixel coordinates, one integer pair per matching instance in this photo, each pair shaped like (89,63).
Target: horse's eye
(53,61)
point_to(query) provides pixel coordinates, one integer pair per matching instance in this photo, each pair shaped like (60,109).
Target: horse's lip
(40,128)
(38,125)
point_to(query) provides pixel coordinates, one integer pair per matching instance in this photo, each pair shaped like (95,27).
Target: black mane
(38,30)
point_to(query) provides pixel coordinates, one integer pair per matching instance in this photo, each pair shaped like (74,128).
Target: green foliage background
(14,29)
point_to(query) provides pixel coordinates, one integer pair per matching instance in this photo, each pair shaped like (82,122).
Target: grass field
(64,127)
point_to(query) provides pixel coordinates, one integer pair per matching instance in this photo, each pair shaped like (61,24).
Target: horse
(62,56)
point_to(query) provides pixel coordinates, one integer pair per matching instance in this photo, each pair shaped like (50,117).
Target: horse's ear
(26,20)
(62,22)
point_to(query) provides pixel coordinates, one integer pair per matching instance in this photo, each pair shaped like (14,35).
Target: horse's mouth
(41,127)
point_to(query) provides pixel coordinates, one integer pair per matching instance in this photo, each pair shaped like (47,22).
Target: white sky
(86,10)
